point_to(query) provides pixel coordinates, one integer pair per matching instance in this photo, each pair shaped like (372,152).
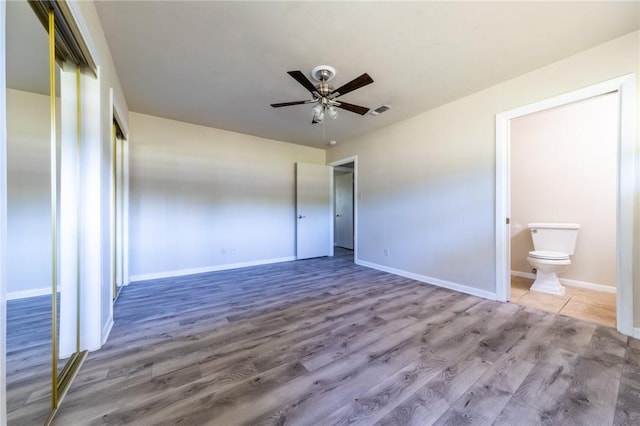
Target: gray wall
(29,194)
(203,198)
(436,213)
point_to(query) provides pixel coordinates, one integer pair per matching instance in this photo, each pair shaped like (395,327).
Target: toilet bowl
(548,264)
(554,244)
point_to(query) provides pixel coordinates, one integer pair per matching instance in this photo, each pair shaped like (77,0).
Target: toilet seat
(548,255)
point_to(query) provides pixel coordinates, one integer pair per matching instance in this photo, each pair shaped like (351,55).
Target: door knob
(301,216)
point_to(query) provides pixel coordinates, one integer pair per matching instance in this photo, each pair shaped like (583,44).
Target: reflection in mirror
(29,218)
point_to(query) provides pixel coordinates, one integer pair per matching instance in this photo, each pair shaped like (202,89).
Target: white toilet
(553,244)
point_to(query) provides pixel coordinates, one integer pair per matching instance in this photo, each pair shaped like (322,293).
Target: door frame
(302,189)
(3,216)
(345,173)
(627,186)
(353,159)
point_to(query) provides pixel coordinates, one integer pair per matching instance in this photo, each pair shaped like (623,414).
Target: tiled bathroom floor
(589,305)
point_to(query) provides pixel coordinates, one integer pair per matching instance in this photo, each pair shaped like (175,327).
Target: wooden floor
(326,342)
(590,305)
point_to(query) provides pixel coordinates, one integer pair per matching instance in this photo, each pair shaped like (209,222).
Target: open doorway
(344,206)
(563,173)
(626,158)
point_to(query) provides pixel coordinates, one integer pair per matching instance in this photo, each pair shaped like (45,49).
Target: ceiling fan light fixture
(324,95)
(318,113)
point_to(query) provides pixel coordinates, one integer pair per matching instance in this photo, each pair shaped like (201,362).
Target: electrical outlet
(387,252)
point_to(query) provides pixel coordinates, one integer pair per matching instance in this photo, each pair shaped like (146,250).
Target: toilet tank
(560,237)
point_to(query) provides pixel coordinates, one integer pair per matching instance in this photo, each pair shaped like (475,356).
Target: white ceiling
(221,64)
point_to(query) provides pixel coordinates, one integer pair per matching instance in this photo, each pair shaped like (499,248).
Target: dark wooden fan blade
(354,84)
(282,104)
(300,78)
(353,108)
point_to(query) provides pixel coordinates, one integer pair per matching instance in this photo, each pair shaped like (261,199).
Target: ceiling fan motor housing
(324,88)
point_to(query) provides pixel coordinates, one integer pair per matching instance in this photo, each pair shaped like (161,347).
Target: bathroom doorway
(563,170)
(534,178)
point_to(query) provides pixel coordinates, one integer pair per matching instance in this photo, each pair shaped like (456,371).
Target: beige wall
(427,184)
(203,197)
(564,169)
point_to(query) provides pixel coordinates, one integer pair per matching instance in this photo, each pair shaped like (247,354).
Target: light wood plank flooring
(327,342)
(589,305)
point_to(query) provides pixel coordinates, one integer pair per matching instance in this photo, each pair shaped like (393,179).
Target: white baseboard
(106,330)
(523,275)
(429,280)
(43,291)
(224,267)
(636,332)
(571,283)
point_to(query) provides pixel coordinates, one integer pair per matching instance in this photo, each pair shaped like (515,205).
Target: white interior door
(344,210)
(313,210)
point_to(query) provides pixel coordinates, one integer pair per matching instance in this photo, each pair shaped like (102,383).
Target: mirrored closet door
(43,186)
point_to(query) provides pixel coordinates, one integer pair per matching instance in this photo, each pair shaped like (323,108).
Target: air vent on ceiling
(380,110)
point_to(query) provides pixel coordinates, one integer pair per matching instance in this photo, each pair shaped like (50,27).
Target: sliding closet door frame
(89,131)
(61,381)
(117,207)
(3,217)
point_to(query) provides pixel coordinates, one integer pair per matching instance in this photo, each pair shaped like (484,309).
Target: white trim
(353,159)
(503,207)
(224,267)
(626,190)
(429,280)
(636,332)
(34,292)
(571,283)
(69,193)
(626,229)
(113,213)
(3,216)
(523,274)
(118,116)
(91,213)
(589,286)
(106,330)
(125,214)
(85,32)
(332,212)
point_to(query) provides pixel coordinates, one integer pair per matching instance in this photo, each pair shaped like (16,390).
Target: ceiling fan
(324,95)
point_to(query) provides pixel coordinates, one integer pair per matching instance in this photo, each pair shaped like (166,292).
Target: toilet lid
(552,255)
